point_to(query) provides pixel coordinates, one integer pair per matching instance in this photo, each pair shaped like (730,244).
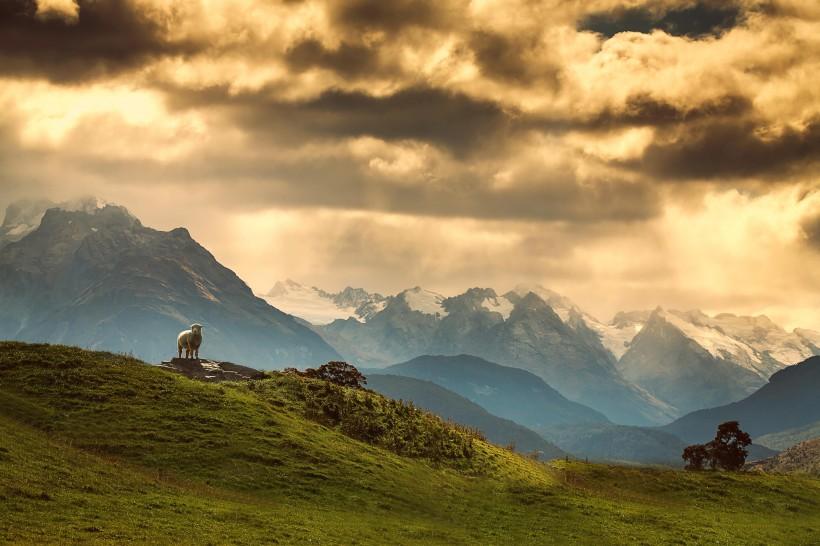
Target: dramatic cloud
(629,153)
(96,38)
(694,20)
(347,59)
(396,15)
(733,150)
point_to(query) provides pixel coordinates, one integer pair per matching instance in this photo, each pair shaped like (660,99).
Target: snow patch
(20,230)
(614,338)
(718,344)
(759,333)
(560,304)
(307,303)
(425,301)
(498,305)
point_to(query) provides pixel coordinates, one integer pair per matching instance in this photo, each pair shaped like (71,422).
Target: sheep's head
(196,329)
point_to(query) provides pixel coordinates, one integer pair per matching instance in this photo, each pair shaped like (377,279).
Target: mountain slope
(458,409)
(680,371)
(99,278)
(785,439)
(98,448)
(608,442)
(802,458)
(787,401)
(508,392)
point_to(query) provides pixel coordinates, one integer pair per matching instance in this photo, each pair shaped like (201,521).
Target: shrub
(398,426)
(340,373)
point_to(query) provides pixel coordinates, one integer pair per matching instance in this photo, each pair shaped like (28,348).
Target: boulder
(211,370)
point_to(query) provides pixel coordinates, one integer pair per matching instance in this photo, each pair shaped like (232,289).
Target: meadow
(101,448)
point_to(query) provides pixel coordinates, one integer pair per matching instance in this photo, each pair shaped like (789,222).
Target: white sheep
(190,340)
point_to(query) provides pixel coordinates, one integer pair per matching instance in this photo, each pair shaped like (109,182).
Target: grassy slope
(100,448)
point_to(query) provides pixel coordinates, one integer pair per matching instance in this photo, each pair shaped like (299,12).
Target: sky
(627,154)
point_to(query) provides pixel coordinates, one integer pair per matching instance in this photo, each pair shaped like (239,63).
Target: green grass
(97,447)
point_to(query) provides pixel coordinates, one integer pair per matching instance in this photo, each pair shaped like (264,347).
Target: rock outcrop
(211,370)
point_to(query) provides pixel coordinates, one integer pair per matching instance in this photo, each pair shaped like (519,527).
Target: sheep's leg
(179,348)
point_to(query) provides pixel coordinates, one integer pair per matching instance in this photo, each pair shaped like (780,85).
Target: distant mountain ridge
(685,360)
(318,306)
(452,406)
(511,393)
(96,277)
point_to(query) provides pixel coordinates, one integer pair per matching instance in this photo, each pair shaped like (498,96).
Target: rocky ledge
(211,370)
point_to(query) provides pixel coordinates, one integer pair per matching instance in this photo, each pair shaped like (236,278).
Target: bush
(340,373)
(398,426)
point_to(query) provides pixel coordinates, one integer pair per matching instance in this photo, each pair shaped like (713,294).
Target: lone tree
(340,373)
(727,451)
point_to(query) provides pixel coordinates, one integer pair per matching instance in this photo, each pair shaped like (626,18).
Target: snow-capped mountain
(23,217)
(692,361)
(766,343)
(320,307)
(726,356)
(614,335)
(516,330)
(424,301)
(690,367)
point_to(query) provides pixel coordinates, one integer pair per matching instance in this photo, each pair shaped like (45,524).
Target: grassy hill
(101,448)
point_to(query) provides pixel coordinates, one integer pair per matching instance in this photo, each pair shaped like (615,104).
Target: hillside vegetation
(100,448)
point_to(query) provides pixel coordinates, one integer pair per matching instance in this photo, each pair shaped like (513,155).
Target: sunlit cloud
(629,153)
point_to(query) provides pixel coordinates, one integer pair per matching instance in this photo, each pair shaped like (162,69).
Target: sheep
(190,340)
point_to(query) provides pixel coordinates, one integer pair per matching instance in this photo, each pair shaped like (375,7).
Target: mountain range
(642,367)
(93,276)
(508,392)
(88,273)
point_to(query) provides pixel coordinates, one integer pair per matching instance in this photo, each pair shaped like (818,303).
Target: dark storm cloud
(732,149)
(108,37)
(450,120)
(699,20)
(645,110)
(261,176)
(812,230)
(349,60)
(505,58)
(336,182)
(392,16)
